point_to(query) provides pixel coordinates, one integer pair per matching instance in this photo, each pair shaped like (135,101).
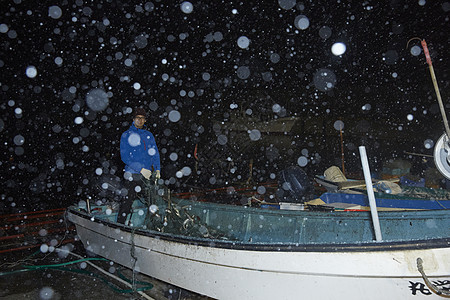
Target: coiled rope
(431,286)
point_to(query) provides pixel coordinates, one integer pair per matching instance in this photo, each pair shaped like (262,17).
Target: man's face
(139,121)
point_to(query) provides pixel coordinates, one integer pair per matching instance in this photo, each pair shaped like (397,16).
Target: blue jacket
(138,150)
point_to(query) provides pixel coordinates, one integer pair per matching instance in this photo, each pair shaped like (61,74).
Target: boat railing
(257,226)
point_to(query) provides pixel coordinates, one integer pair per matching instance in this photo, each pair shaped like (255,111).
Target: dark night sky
(155,55)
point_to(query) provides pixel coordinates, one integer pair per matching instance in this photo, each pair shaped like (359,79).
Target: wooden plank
(344,185)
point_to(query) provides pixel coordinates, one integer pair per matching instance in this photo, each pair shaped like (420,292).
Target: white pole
(370,193)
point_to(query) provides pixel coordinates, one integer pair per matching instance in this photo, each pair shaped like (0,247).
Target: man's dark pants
(127,202)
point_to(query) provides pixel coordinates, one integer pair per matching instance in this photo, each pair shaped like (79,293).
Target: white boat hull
(226,273)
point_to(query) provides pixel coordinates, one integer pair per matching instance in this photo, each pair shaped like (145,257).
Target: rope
(63,264)
(432,287)
(111,275)
(132,253)
(61,267)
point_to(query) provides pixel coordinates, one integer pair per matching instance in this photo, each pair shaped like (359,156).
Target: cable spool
(442,155)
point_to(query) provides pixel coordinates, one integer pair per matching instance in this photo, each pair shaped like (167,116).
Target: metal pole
(370,194)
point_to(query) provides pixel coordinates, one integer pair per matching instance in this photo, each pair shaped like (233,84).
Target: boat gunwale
(432,243)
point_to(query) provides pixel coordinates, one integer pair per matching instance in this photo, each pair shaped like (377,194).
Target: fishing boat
(238,252)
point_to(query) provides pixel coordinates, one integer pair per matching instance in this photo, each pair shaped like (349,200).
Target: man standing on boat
(140,154)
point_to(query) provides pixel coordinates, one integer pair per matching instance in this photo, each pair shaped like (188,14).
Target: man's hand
(146,173)
(158,174)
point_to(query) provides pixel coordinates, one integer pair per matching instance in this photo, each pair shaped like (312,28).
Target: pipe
(33,246)
(35,233)
(28,213)
(31,224)
(34,216)
(370,194)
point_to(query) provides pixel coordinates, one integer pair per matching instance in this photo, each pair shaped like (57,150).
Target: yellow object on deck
(334,174)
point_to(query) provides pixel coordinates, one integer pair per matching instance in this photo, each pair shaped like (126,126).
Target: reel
(442,155)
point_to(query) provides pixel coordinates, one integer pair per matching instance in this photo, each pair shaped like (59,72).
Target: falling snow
(235,92)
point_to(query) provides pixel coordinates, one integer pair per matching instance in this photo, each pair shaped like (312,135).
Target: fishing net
(426,193)
(171,215)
